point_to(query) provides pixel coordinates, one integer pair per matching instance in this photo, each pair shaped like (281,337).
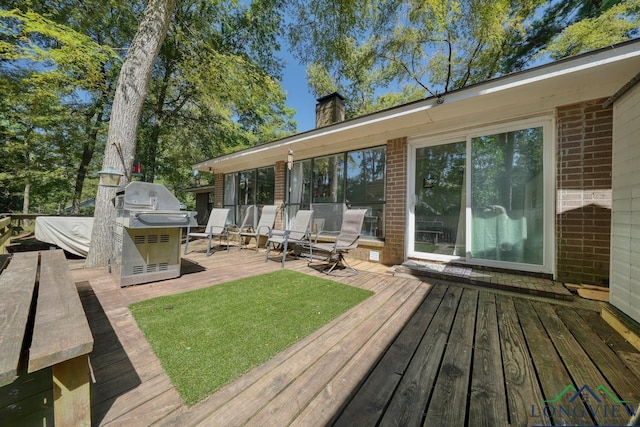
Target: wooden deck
(471,357)
(412,354)
(131,387)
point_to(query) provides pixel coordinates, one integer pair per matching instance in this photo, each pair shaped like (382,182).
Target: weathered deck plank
(372,398)
(412,396)
(624,381)
(449,400)
(551,371)
(519,374)
(582,369)
(487,404)
(17,285)
(324,407)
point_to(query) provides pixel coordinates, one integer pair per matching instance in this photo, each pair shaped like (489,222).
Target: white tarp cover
(72,234)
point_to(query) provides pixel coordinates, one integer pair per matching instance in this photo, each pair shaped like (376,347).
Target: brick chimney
(329,110)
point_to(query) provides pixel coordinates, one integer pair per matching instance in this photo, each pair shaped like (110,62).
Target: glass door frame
(549,197)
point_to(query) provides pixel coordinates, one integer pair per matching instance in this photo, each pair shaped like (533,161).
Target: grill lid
(146,196)
(148,205)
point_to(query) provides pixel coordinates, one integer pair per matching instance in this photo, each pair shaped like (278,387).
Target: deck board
(580,366)
(449,400)
(372,398)
(522,386)
(551,371)
(356,370)
(412,396)
(624,381)
(382,363)
(487,406)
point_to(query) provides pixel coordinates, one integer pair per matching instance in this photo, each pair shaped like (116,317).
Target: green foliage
(409,49)
(214,88)
(206,338)
(614,25)
(70,57)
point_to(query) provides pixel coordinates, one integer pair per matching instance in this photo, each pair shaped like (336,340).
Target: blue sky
(299,95)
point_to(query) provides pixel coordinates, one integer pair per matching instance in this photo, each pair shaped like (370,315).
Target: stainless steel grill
(147,231)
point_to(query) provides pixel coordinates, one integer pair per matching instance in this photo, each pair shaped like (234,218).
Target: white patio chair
(265,224)
(298,234)
(347,239)
(245,226)
(216,227)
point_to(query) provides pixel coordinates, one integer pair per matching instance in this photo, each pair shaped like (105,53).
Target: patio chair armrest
(257,230)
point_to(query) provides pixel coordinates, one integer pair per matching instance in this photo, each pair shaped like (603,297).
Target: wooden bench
(43,326)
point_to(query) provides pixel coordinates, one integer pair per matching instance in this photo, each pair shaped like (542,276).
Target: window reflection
(246,188)
(507,213)
(331,184)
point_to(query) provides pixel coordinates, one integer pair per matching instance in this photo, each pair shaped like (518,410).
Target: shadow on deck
(413,354)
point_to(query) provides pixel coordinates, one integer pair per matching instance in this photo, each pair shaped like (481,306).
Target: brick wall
(218,191)
(395,218)
(280,192)
(583,198)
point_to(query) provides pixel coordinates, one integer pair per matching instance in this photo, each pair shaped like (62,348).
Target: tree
(570,27)
(44,64)
(125,116)
(213,81)
(409,49)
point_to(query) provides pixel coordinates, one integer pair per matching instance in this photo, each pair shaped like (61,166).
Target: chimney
(329,110)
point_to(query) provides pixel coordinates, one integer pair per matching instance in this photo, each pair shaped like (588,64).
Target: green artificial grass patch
(207,338)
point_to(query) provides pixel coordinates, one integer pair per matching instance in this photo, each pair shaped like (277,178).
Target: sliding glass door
(440,199)
(506,196)
(485,198)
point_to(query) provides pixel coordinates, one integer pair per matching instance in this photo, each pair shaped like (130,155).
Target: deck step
(487,279)
(623,324)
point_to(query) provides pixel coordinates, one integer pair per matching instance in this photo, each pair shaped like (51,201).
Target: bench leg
(71,392)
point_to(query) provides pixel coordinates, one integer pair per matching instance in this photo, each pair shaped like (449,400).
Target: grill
(147,231)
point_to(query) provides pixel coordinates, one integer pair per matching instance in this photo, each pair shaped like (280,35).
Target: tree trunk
(88,149)
(154,139)
(130,93)
(25,200)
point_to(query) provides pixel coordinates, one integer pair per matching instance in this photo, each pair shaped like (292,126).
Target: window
(486,196)
(331,184)
(246,188)
(507,214)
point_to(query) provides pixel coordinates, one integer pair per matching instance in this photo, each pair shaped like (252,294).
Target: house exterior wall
(396,207)
(218,192)
(280,192)
(583,192)
(625,233)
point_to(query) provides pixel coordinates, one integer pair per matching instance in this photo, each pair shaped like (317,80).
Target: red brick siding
(396,207)
(280,191)
(218,191)
(583,198)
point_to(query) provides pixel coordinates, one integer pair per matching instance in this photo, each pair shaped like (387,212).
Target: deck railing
(5,232)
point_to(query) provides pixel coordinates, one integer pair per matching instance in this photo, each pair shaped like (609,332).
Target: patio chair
(299,234)
(216,227)
(265,224)
(245,225)
(347,239)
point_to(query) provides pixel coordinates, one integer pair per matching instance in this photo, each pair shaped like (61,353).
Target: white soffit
(596,75)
